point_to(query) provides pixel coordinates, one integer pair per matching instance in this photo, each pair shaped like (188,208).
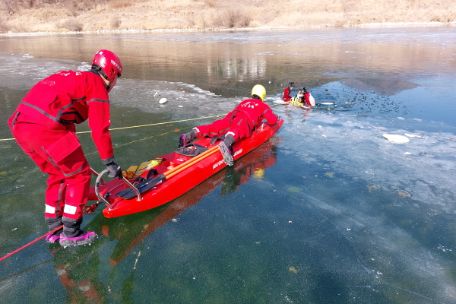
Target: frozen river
(328,211)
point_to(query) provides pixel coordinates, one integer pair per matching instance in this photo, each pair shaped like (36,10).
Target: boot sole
(227,158)
(81,242)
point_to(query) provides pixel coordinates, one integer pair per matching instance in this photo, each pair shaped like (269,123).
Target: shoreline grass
(68,16)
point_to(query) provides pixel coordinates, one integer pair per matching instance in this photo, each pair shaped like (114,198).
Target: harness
(233,115)
(191,150)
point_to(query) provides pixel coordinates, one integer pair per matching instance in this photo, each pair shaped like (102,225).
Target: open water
(328,211)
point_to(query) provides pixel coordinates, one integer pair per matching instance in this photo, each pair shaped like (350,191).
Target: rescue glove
(114,170)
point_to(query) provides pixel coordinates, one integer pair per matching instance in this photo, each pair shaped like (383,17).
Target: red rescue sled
(170,176)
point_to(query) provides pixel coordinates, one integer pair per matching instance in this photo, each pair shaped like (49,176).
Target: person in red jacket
(236,125)
(44,126)
(286,93)
(303,98)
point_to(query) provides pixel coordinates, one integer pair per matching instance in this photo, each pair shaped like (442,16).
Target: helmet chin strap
(108,84)
(105,79)
(111,84)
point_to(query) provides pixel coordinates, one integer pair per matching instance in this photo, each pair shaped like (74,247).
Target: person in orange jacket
(44,126)
(286,93)
(236,125)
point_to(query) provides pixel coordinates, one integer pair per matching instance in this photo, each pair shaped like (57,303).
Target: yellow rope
(131,142)
(139,126)
(148,125)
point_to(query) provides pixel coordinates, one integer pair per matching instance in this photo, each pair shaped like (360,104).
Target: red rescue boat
(170,176)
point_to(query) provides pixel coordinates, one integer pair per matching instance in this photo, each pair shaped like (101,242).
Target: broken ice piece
(396,139)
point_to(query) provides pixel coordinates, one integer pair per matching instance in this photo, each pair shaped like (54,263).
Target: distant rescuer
(44,126)
(286,93)
(236,125)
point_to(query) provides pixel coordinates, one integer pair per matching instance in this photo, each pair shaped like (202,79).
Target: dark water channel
(328,211)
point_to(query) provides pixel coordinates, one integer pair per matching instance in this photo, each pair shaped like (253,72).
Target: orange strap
(190,162)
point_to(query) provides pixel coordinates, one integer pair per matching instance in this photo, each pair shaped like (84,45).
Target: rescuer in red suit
(236,125)
(304,97)
(44,127)
(286,93)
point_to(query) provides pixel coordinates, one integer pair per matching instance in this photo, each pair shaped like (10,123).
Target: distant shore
(38,17)
(370,25)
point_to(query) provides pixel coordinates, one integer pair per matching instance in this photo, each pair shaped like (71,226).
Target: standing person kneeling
(236,125)
(44,127)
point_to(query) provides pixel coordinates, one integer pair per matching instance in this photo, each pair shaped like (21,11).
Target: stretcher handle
(100,179)
(96,174)
(138,193)
(97,192)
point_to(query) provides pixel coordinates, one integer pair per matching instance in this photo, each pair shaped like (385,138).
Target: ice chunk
(396,139)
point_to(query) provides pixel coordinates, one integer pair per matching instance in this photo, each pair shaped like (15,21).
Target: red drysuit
(308,99)
(44,126)
(286,94)
(240,122)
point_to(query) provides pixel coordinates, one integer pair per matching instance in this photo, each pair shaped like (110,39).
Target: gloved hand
(114,170)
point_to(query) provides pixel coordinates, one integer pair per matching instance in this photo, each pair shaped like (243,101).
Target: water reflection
(78,269)
(212,60)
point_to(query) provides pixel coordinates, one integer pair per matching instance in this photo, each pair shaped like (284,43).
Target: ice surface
(24,70)
(340,202)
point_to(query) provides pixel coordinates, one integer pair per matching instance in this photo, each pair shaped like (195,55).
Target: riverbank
(369,25)
(210,15)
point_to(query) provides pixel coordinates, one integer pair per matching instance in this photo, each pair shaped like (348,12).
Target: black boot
(71,227)
(72,234)
(229,141)
(54,223)
(225,149)
(187,138)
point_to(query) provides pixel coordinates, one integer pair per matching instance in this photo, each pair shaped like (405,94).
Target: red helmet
(109,64)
